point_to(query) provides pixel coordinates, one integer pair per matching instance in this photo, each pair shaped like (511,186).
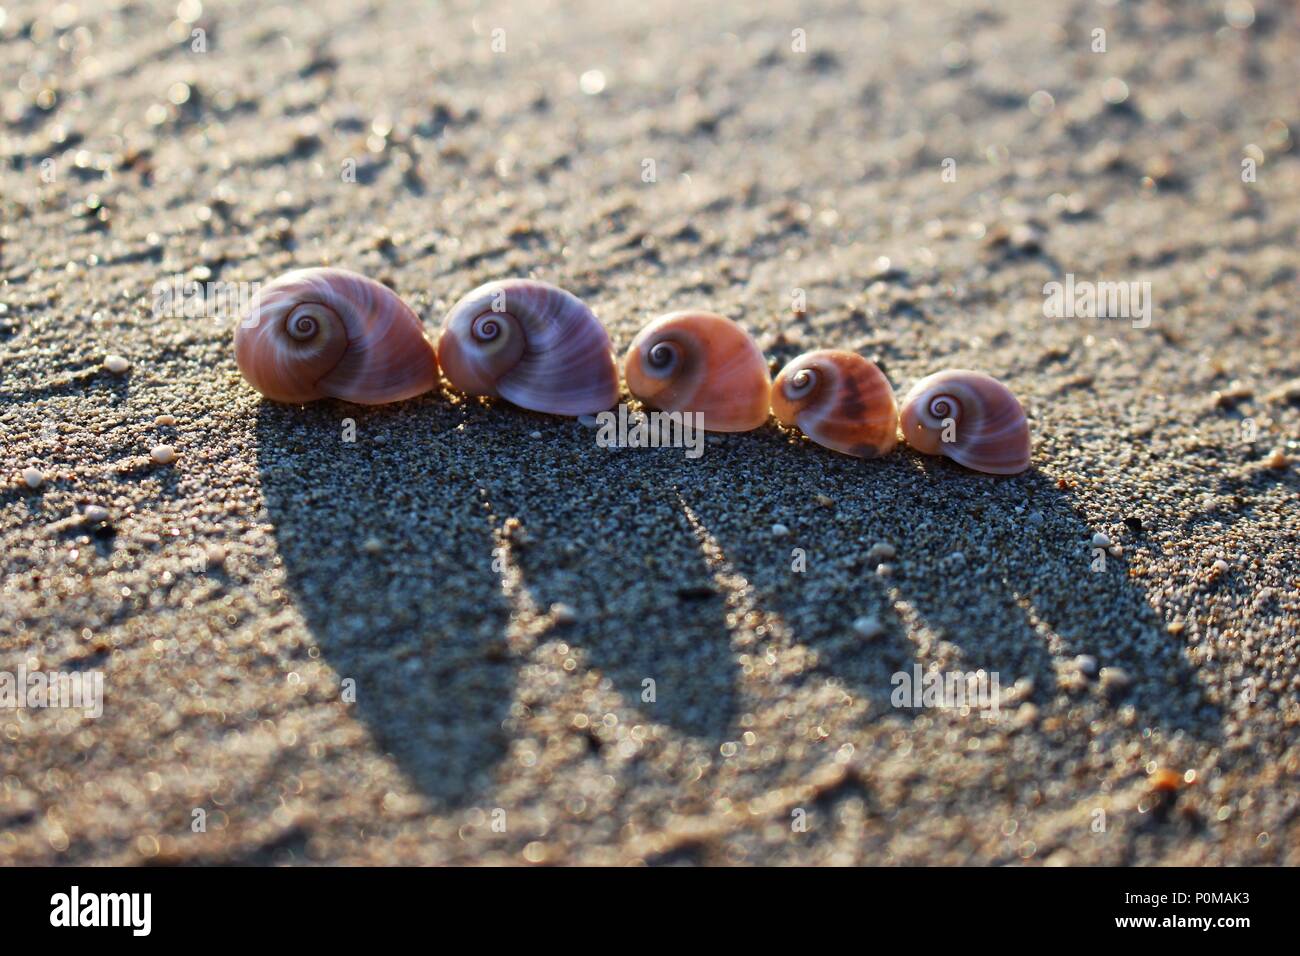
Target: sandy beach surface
(431,644)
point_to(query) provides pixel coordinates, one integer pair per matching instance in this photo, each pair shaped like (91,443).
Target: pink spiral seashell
(969,417)
(330,333)
(532,344)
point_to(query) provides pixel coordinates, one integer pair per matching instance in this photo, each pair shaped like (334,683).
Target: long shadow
(811,576)
(389,559)
(601,532)
(1000,569)
(389,545)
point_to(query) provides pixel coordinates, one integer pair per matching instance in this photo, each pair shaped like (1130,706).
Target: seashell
(840,400)
(983,423)
(531,344)
(318,333)
(700,362)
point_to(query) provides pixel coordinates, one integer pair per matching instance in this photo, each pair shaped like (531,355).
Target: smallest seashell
(116,364)
(163,454)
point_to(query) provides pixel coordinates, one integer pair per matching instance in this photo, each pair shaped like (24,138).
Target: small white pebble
(116,364)
(1114,678)
(779,530)
(33,477)
(1100,540)
(216,555)
(1026,714)
(1220,567)
(1072,681)
(95,513)
(563,613)
(880,551)
(1086,663)
(163,454)
(869,627)
(373,545)
(534,434)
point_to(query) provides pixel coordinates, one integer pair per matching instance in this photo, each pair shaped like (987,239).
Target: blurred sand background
(230,595)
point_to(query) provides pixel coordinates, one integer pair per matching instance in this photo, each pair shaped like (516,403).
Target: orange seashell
(330,333)
(839,400)
(969,417)
(700,362)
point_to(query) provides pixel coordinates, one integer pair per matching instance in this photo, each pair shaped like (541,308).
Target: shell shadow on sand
(392,548)
(1000,569)
(390,564)
(649,565)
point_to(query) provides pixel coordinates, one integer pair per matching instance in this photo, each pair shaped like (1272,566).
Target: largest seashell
(971,418)
(317,333)
(532,344)
(700,362)
(840,400)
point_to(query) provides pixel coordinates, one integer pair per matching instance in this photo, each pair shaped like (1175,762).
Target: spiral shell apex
(839,400)
(531,344)
(700,362)
(969,417)
(330,333)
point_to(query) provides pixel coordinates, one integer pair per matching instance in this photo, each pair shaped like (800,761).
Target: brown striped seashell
(839,400)
(700,362)
(330,333)
(532,344)
(969,417)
